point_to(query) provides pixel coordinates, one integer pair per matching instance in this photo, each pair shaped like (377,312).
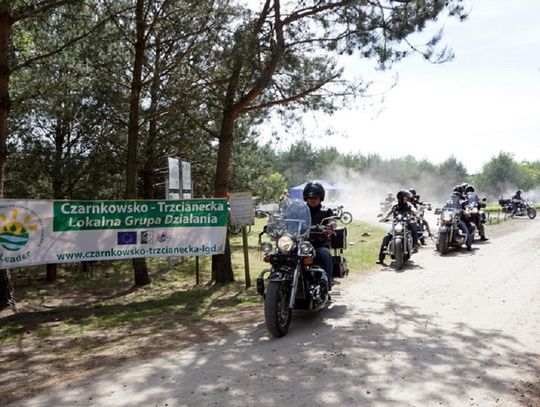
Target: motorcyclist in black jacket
(314,195)
(516,201)
(472,197)
(405,207)
(417,203)
(465,225)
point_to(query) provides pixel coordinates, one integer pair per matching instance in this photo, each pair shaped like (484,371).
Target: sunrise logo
(14,233)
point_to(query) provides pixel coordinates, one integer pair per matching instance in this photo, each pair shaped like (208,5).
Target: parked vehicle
(295,282)
(343,216)
(236,230)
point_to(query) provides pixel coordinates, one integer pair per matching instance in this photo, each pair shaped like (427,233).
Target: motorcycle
(449,233)
(295,282)
(524,208)
(400,246)
(343,216)
(477,214)
(384,206)
(420,220)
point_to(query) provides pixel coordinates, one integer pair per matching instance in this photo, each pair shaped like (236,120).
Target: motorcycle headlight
(446,216)
(285,243)
(474,210)
(266,247)
(305,248)
(398,228)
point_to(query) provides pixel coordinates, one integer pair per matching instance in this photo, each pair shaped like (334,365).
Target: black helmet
(518,192)
(313,190)
(458,188)
(412,191)
(401,195)
(469,188)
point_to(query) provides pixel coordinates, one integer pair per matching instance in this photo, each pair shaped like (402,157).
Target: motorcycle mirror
(379,215)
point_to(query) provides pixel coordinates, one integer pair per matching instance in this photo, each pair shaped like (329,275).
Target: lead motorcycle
(295,282)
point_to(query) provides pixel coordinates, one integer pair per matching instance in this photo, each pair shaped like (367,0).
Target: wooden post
(246,256)
(197,281)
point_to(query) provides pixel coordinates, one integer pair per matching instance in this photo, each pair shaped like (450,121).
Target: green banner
(44,231)
(101,215)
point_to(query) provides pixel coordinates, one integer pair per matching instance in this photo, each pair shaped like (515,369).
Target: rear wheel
(531,213)
(346,218)
(276,308)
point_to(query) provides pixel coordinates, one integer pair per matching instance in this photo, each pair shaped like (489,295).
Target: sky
(486,100)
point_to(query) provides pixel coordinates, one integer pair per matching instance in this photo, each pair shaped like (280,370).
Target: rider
(404,207)
(417,203)
(473,197)
(517,200)
(466,227)
(314,195)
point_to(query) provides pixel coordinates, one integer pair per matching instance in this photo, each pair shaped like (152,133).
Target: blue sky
(484,101)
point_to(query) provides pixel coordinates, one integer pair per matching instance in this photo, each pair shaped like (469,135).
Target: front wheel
(399,256)
(276,308)
(531,213)
(346,218)
(442,244)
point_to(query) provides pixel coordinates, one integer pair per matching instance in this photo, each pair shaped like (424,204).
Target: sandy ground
(459,330)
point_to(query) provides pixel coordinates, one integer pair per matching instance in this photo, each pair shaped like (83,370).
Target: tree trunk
(51,272)
(60,135)
(7,298)
(5,100)
(140,269)
(149,159)
(222,271)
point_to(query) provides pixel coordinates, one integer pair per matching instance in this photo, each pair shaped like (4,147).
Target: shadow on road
(327,359)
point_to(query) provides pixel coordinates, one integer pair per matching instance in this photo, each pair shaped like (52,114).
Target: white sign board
(174,173)
(241,205)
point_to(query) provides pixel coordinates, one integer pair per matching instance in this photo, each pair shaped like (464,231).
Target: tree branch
(289,99)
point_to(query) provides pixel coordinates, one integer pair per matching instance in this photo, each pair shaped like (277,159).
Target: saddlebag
(339,239)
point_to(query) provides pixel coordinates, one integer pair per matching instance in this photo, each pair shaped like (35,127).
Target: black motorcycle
(449,233)
(400,246)
(476,212)
(421,221)
(523,208)
(294,280)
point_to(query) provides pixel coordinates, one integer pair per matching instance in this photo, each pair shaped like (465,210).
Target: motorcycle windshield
(452,205)
(473,198)
(297,217)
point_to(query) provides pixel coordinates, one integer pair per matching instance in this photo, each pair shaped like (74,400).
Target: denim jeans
(324,259)
(463,227)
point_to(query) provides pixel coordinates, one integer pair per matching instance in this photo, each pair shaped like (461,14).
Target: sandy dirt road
(460,330)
